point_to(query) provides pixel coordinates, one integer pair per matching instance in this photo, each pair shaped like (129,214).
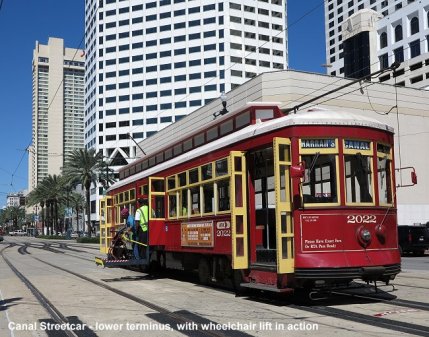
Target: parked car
(413,239)
(18,232)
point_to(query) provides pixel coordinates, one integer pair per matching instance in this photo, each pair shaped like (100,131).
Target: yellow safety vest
(144,217)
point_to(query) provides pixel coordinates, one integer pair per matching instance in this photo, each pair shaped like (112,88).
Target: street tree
(82,166)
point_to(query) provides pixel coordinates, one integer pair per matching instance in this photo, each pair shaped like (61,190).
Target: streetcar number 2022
(361,219)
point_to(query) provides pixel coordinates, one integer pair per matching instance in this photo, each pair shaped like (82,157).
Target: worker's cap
(142,200)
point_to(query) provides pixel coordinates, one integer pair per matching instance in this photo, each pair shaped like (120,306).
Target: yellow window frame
(106,223)
(387,156)
(323,151)
(154,193)
(368,153)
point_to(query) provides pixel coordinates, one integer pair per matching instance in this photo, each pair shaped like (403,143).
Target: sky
(23,22)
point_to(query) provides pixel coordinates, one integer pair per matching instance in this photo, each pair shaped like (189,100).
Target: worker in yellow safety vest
(142,225)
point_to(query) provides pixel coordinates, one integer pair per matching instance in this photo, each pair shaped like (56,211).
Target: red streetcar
(268,200)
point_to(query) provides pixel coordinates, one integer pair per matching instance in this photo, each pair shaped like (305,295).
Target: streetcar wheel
(203,271)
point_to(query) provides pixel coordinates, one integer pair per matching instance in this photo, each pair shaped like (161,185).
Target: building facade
(58,107)
(15,199)
(401,32)
(150,63)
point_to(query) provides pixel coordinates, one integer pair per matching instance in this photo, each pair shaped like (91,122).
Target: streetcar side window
(183,203)
(358,174)
(157,197)
(384,180)
(158,207)
(320,184)
(199,191)
(223,195)
(195,200)
(384,174)
(172,205)
(208,198)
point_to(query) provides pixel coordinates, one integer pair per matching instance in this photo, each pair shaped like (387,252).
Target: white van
(18,232)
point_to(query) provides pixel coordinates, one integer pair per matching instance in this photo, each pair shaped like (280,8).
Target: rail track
(162,315)
(180,317)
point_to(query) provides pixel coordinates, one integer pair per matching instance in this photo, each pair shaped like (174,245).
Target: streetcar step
(119,263)
(266,287)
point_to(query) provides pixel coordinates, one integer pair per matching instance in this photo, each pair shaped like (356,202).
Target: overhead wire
(357,71)
(49,106)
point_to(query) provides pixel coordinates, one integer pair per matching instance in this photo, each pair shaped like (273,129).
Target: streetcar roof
(315,116)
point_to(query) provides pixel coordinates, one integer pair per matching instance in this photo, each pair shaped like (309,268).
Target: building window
(398,33)
(414,25)
(399,54)
(415,48)
(383,40)
(384,61)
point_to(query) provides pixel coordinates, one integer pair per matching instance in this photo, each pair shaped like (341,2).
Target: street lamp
(222,112)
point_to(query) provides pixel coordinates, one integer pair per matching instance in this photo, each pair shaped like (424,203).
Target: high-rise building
(398,33)
(16,199)
(149,63)
(58,108)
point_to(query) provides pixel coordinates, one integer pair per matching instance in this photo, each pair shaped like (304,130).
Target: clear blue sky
(23,22)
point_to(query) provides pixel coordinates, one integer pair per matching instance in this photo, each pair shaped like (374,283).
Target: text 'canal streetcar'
(267,200)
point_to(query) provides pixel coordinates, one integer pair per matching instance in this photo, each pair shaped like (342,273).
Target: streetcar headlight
(364,236)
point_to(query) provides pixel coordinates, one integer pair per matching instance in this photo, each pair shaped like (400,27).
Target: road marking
(385,313)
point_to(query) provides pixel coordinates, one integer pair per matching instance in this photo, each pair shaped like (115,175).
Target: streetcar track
(161,314)
(66,247)
(55,314)
(410,328)
(165,315)
(398,302)
(410,286)
(23,251)
(327,311)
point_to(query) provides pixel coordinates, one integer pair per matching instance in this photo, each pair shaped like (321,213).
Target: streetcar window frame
(358,155)
(199,192)
(384,152)
(328,147)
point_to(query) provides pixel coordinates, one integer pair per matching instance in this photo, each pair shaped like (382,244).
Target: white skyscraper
(149,63)
(401,30)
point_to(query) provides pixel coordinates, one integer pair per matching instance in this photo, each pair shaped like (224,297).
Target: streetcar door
(106,223)
(283,210)
(237,163)
(262,206)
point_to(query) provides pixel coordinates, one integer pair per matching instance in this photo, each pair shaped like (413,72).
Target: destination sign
(357,145)
(383,148)
(318,143)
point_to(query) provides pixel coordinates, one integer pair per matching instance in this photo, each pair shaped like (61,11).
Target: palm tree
(51,188)
(78,203)
(82,167)
(16,214)
(38,196)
